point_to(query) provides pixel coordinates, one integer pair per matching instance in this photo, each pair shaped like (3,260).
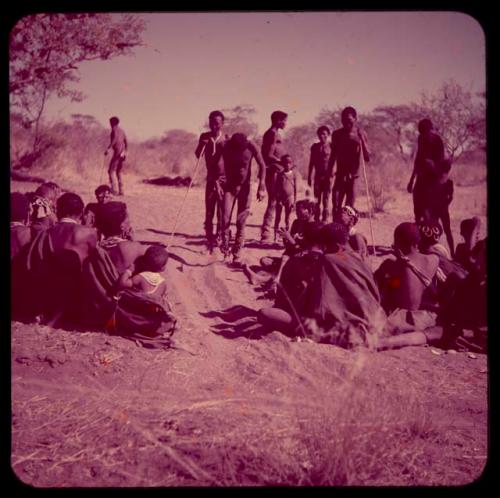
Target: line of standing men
(228,162)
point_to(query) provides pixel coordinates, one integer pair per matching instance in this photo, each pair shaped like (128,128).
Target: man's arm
(294,188)
(262,169)
(111,138)
(202,143)
(311,166)
(333,157)
(364,146)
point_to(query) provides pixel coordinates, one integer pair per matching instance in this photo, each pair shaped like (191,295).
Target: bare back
(74,237)
(400,286)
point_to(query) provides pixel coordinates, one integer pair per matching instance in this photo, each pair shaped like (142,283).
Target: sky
(298,62)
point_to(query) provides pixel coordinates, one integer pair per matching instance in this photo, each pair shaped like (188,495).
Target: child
(349,216)
(103,195)
(469,230)
(286,193)
(439,197)
(149,280)
(318,162)
(43,206)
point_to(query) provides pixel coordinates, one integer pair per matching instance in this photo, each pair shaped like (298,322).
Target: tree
(400,124)
(457,115)
(298,141)
(239,119)
(46,49)
(179,146)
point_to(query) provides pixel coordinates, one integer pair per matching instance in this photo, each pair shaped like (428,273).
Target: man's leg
(277,220)
(119,166)
(271,204)
(338,193)
(445,220)
(351,186)
(288,211)
(241,219)
(112,174)
(325,199)
(226,220)
(210,204)
(317,195)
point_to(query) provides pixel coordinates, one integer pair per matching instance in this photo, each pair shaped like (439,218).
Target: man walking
(238,155)
(118,142)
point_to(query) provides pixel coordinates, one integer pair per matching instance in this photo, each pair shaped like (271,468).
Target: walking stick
(362,160)
(185,197)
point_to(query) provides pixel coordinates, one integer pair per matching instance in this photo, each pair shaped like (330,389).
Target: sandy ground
(230,406)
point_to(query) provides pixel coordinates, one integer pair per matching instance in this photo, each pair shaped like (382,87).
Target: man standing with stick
(348,143)
(212,144)
(118,142)
(272,151)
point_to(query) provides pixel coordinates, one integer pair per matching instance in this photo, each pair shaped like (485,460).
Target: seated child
(286,193)
(103,195)
(20,233)
(469,230)
(149,279)
(349,216)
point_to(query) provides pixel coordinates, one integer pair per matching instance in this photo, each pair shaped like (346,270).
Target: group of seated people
(325,289)
(78,266)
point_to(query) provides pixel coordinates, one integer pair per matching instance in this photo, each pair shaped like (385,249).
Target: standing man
(238,154)
(272,151)
(318,162)
(348,143)
(118,142)
(430,153)
(211,143)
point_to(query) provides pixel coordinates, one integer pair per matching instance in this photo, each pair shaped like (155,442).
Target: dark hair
(321,129)
(430,231)
(19,206)
(467,225)
(52,185)
(348,110)
(102,188)
(70,205)
(109,218)
(215,114)
(47,190)
(407,235)
(278,116)
(155,258)
(285,156)
(425,125)
(334,234)
(312,232)
(238,142)
(306,204)
(114,120)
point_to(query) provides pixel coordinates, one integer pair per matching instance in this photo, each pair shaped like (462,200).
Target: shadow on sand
(238,321)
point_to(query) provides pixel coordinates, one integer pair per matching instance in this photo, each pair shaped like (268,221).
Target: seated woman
(407,283)
(113,222)
(349,216)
